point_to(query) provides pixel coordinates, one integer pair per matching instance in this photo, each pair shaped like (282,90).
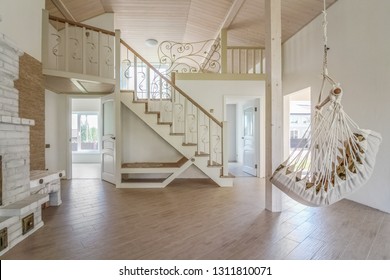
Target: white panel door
(108,138)
(249,141)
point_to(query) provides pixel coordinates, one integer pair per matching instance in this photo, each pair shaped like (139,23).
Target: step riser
(175,141)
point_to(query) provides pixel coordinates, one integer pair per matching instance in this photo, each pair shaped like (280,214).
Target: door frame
(69,109)
(260,133)
(250,107)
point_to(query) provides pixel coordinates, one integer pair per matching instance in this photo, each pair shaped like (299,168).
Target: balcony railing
(245,60)
(78,48)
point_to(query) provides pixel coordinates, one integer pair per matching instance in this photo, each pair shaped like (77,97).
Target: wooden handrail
(244,48)
(78,24)
(171,84)
(143,60)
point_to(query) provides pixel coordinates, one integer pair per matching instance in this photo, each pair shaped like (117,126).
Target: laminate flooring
(195,219)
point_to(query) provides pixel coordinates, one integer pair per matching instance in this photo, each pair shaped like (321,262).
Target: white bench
(45,182)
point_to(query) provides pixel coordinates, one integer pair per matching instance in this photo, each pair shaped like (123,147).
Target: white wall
(86,105)
(231,117)
(22,23)
(141,143)
(211,93)
(104,21)
(359,41)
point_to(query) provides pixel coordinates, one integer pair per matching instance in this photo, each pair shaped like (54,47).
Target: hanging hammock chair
(339,157)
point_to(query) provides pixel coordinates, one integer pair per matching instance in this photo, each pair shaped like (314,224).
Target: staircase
(154,98)
(193,152)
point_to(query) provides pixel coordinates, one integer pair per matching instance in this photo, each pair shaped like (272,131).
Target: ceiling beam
(63,10)
(231,15)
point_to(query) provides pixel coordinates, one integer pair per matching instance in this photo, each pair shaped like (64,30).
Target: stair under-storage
(140,174)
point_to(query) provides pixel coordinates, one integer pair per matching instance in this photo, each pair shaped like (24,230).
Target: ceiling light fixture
(151,42)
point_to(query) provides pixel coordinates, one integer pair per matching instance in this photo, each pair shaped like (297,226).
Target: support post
(274,102)
(45,38)
(84,51)
(118,114)
(224,51)
(67,50)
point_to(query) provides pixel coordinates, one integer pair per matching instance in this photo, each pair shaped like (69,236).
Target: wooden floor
(194,219)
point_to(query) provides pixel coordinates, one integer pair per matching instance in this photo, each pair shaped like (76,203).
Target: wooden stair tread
(230,175)
(190,144)
(215,164)
(143,180)
(201,154)
(177,164)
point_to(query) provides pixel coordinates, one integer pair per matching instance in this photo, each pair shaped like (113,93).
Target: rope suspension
(339,156)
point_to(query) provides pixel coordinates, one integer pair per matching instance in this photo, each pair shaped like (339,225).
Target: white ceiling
(189,20)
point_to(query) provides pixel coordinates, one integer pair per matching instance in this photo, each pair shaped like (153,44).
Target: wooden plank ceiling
(189,20)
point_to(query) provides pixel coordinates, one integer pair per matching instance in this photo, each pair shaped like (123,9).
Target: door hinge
(255,166)
(255,109)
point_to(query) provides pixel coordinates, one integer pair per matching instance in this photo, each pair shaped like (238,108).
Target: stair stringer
(176,171)
(176,141)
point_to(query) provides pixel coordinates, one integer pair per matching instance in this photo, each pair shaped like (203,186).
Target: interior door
(249,140)
(108,138)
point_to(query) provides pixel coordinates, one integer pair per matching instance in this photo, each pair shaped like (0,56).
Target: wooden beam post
(274,101)
(45,38)
(224,51)
(118,114)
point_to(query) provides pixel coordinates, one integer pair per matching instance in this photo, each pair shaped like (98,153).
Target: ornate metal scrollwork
(217,147)
(92,48)
(56,47)
(126,63)
(108,60)
(76,47)
(193,57)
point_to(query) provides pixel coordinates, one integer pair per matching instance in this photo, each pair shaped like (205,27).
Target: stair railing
(77,48)
(186,117)
(245,60)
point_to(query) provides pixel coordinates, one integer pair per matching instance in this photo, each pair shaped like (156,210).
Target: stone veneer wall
(14,148)
(17,201)
(14,131)
(32,106)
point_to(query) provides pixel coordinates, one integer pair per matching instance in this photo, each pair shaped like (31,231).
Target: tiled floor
(195,219)
(86,170)
(235,169)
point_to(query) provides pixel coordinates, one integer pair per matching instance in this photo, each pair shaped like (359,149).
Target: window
(85,134)
(294,134)
(294,119)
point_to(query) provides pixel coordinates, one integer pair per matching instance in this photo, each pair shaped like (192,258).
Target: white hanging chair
(339,156)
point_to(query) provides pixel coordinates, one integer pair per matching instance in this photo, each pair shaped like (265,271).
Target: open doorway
(297,118)
(246,130)
(85,138)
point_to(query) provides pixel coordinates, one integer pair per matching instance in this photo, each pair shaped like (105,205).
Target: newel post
(225,149)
